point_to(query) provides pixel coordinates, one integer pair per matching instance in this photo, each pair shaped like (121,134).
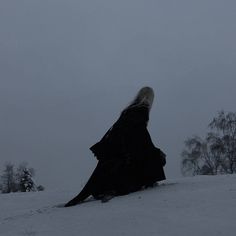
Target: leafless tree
(8,179)
(216,154)
(225,125)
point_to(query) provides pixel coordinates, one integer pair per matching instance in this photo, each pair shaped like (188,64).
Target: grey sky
(67,68)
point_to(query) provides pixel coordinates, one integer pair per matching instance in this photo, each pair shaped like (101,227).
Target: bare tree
(225,124)
(191,156)
(8,179)
(216,154)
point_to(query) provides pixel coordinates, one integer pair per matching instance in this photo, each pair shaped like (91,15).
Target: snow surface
(202,205)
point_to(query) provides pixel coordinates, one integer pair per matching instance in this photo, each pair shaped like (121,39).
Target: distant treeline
(18,179)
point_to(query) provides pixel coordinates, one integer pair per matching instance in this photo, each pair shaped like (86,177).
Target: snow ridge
(202,205)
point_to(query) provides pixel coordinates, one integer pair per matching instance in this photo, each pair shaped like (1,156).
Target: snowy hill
(203,205)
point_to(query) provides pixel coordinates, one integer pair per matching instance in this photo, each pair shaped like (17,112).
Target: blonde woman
(127,158)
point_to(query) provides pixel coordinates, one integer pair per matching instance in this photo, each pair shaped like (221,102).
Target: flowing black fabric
(127,158)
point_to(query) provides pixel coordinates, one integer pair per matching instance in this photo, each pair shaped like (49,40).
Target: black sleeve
(138,140)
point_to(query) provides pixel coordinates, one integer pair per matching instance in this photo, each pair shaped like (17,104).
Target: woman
(127,158)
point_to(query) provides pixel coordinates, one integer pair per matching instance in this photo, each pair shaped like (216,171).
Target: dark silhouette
(127,158)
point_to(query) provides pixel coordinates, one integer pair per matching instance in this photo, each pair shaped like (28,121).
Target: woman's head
(144,97)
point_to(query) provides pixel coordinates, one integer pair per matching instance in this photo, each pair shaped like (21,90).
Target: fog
(68,68)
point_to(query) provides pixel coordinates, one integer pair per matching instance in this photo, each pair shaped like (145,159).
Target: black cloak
(127,158)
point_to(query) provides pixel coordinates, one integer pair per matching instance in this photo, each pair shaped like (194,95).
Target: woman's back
(127,157)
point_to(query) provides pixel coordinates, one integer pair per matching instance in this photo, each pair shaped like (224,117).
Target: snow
(202,205)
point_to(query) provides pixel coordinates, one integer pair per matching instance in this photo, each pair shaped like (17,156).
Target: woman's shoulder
(136,109)
(136,114)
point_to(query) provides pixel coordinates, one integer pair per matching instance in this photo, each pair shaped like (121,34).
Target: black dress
(127,158)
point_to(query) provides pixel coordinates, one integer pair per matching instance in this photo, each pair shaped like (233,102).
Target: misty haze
(69,68)
(67,71)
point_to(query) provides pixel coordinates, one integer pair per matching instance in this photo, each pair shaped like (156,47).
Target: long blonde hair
(144,97)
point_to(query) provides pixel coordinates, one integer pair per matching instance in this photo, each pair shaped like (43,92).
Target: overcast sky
(67,69)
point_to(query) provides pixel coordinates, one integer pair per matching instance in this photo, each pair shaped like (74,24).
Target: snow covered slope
(203,205)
